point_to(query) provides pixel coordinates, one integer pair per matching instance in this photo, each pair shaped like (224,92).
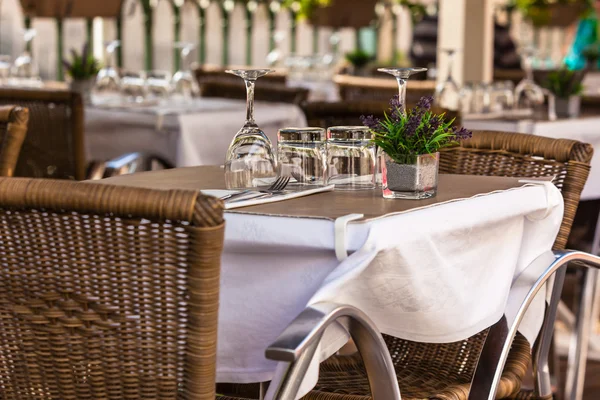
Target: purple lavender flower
(395,107)
(370,122)
(462,133)
(414,120)
(425,103)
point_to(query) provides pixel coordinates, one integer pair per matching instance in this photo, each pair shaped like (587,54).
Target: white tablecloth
(585,130)
(439,274)
(185,135)
(436,274)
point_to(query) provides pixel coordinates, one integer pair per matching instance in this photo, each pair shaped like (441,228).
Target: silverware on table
(276,188)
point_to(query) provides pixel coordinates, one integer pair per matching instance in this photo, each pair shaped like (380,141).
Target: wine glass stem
(250,83)
(402,94)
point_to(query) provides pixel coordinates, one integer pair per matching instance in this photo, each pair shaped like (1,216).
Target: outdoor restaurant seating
(13,129)
(300,200)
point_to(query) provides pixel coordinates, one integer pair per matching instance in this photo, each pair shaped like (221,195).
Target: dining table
(437,270)
(183,133)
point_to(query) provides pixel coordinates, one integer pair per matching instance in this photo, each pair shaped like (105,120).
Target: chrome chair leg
(296,347)
(578,349)
(496,349)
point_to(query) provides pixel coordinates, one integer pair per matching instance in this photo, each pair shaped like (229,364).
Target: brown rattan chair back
(13,128)
(327,114)
(521,155)
(107,292)
(54,145)
(263,92)
(355,88)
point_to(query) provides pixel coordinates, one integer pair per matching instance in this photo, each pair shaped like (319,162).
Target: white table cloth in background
(185,135)
(437,274)
(586,130)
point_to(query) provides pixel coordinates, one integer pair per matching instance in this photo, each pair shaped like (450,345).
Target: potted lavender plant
(409,147)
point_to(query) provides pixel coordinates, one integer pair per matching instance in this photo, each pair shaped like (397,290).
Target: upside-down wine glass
(250,159)
(184,84)
(25,71)
(528,93)
(447,92)
(402,75)
(108,81)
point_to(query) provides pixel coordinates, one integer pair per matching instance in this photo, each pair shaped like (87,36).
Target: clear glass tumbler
(301,155)
(350,158)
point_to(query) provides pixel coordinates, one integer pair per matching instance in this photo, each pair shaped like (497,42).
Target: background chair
(355,88)
(13,128)
(264,92)
(348,113)
(208,73)
(445,371)
(54,146)
(104,308)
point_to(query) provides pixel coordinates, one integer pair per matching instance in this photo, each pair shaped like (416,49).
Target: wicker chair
(54,145)
(13,128)
(263,92)
(445,371)
(97,287)
(326,114)
(354,88)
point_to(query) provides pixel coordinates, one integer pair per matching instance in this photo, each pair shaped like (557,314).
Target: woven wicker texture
(264,92)
(107,292)
(444,371)
(326,114)
(54,146)
(13,129)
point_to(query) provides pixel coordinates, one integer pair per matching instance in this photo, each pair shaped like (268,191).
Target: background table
(586,130)
(198,133)
(436,270)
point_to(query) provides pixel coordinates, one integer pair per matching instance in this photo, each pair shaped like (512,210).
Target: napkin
(287,195)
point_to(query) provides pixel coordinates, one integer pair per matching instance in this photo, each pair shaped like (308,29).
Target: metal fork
(280,183)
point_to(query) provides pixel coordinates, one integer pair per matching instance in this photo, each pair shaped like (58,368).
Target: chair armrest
(299,341)
(127,164)
(489,371)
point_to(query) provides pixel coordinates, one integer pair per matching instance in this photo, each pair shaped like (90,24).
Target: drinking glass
(503,96)
(402,75)
(5,65)
(159,84)
(351,158)
(528,93)
(25,71)
(250,158)
(466,95)
(108,81)
(134,86)
(447,93)
(301,155)
(184,84)
(482,98)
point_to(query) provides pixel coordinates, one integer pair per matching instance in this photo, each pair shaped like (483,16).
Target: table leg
(264,386)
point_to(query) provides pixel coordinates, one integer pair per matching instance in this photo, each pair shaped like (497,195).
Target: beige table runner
(331,205)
